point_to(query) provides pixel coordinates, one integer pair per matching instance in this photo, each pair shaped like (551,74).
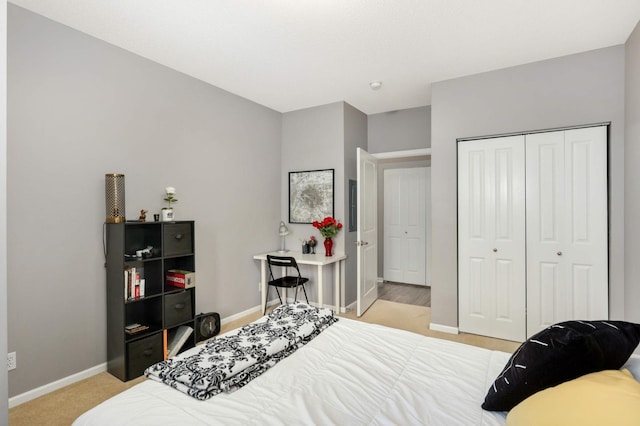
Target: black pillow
(559,353)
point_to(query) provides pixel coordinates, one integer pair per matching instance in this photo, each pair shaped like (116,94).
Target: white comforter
(351,374)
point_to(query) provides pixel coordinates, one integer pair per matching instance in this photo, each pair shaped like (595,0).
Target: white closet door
(567,248)
(404,225)
(491,237)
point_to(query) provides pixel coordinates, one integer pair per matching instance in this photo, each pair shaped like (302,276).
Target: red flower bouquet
(329,227)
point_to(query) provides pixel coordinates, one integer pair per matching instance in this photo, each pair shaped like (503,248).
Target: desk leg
(336,270)
(263,282)
(320,282)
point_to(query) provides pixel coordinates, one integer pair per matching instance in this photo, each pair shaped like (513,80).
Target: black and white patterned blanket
(229,362)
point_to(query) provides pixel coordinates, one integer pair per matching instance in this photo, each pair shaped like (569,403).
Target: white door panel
(491,234)
(567,226)
(545,189)
(405,223)
(367,234)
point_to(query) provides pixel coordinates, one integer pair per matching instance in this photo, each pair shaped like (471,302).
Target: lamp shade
(283,229)
(114,197)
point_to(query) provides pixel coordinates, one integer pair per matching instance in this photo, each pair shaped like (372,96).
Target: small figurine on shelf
(312,244)
(143,215)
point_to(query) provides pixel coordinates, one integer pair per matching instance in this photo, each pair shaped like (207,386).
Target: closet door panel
(491,207)
(404,225)
(509,233)
(415,235)
(393,244)
(475,201)
(545,188)
(586,245)
(566,226)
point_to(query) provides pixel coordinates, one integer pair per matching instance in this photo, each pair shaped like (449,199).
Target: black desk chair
(287,281)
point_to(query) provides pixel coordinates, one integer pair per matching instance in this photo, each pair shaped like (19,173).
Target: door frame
(409,155)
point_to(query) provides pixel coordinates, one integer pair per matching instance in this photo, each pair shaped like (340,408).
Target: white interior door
(367,234)
(404,225)
(491,237)
(567,249)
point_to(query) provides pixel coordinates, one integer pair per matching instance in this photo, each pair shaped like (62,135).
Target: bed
(353,373)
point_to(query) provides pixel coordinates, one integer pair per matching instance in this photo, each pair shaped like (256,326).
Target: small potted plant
(167,212)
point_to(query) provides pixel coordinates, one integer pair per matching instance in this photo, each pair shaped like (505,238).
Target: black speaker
(207,326)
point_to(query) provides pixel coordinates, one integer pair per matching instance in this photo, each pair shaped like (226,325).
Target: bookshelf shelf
(137,293)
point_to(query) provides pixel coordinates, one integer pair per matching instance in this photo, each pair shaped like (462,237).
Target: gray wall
(4,389)
(324,137)
(313,139)
(355,136)
(79,108)
(400,130)
(632,177)
(572,90)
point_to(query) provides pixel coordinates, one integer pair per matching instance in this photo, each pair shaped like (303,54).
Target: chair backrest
(283,262)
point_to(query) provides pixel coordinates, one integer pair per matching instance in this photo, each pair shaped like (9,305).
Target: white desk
(320,260)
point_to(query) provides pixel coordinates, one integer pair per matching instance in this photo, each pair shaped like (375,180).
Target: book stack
(133,284)
(135,328)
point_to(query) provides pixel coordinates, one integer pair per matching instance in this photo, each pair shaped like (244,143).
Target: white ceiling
(294,54)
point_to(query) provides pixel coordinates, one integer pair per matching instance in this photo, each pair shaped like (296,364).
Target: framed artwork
(310,195)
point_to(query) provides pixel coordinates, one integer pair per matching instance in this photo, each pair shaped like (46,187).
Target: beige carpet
(417,319)
(62,407)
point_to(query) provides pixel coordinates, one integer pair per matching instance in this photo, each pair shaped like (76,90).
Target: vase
(167,214)
(328,246)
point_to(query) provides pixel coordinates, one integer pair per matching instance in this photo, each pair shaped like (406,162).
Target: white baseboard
(326,305)
(351,306)
(239,315)
(444,328)
(58,384)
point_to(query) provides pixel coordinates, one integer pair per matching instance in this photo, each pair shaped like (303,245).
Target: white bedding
(353,373)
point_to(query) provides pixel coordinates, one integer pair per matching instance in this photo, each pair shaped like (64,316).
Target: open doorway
(404,268)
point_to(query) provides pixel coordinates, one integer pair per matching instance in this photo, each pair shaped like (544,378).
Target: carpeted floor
(62,407)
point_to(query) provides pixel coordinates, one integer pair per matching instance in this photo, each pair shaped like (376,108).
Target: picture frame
(311,195)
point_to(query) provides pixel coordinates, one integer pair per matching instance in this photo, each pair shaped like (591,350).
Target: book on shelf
(135,328)
(133,284)
(176,339)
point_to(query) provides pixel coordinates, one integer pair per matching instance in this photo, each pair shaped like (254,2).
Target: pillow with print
(559,353)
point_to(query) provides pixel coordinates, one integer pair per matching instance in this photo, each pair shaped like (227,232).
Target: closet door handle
(495,250)
(559,253)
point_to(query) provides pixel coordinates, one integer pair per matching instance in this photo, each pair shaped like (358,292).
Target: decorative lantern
(114,197)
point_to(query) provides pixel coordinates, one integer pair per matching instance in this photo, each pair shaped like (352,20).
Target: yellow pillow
(609,397)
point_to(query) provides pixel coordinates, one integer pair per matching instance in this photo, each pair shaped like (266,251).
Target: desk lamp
(283,232)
